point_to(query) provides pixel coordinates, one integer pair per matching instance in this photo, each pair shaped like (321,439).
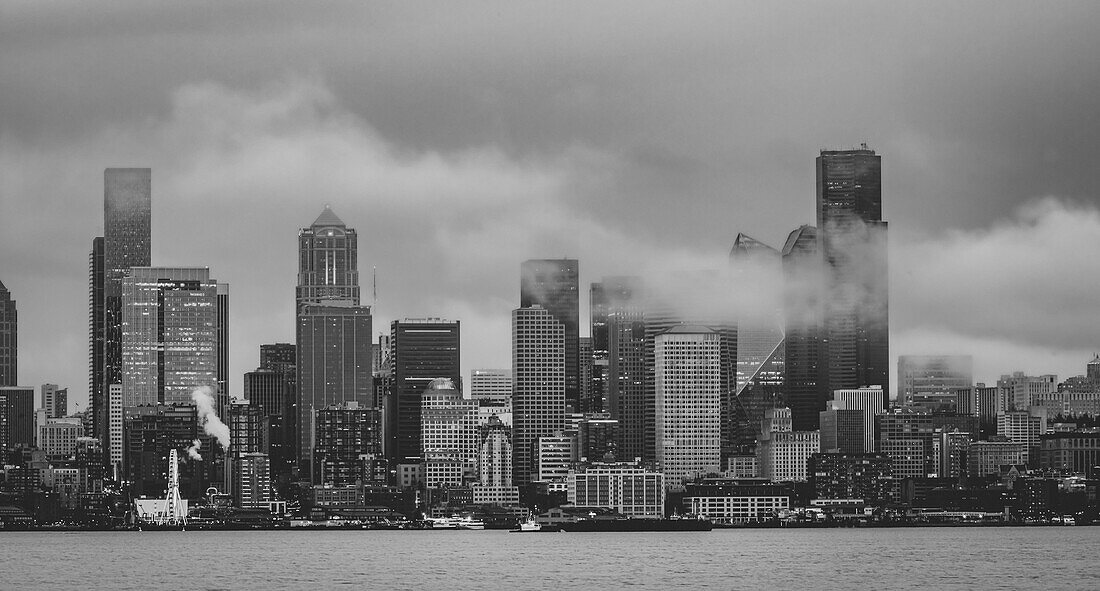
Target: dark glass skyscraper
(422,349)
(553,284)
(806,386)
(618,328)
(9,339)
(852,238)
(758,281)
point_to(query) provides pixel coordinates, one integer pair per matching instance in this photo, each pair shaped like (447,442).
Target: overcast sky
(461,138)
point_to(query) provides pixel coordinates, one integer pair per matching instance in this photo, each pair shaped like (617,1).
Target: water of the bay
(820,559)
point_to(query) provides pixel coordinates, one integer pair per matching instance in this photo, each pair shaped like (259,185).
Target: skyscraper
(96,389)
(538,391)
(422,349)
(9,339)
(328,267)
(688,402)
(758,281)
(333,331)
(170,334)
(55,400)
(806,386)
(553,284)
(127,237)
(449,435)
(852,238)
(619,337)
(126,243)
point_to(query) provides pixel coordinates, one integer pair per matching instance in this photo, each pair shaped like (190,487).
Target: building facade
(688,403)
(625,488)
(9,338)
(422,350)
(931,380)
(852,239)
(449,435)
(169,334)
(553,285)
(538,388)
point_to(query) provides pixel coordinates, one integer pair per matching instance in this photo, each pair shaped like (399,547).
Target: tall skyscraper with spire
(9,339)
(852,240)
(333,333)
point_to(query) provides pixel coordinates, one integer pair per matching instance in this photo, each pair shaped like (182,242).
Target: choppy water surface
(912,558)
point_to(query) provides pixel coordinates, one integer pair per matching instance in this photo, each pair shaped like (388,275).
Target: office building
(781,452)
(423,350)
(598,438)
(907,436)
(1024,427)
(538,389)
(280,357)
(9,339)
(688,403)
(553,285)
(348,445)
(931,381)
(491,384)
(151,432)
(1071,451)
(55,401)
(736,500)
(126,243)
(554,456)
(987,457)
(626,488)
(840,476)
(842,431)
(169,334)
(57,437)
(852,239)
(252,481)
(619,354)
(867,400)
(333,353)
(806,385)
(16,417)
(1019,392)
(449,435)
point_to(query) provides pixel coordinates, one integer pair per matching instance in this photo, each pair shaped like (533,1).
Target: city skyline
(486,186)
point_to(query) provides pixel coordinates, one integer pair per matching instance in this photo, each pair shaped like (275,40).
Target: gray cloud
(462,139)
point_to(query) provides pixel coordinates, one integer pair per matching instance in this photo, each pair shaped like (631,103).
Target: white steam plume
(208,419)
(193,451)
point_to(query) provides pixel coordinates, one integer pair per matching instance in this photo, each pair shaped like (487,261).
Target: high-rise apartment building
(852,239)
(907,436)
(169,334)
(805,382)
(553,284)
(9,339)
(333,353)
(1019,392)
(688,403)
(782,453)
(931,381)
(97,390)
(619,354)
(422,350)
(538,388)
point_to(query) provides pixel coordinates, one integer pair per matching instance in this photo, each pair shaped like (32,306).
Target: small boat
(529,525)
